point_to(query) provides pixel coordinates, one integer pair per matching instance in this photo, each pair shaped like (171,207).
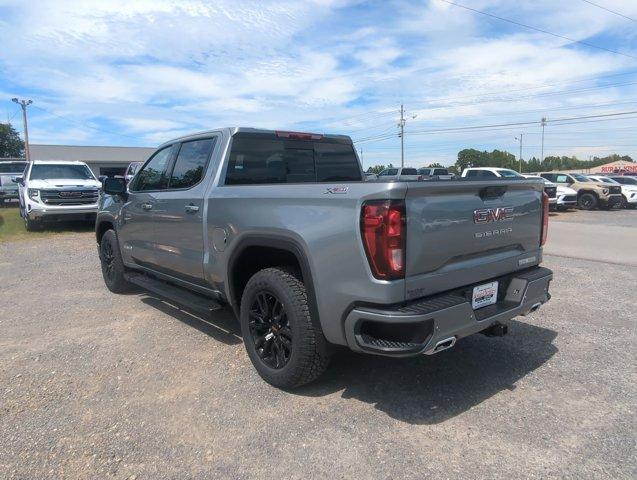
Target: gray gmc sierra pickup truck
(282,227)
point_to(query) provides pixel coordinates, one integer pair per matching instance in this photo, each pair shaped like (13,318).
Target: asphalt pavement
(96,385)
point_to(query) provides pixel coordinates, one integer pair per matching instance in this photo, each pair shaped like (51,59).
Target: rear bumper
(416,327)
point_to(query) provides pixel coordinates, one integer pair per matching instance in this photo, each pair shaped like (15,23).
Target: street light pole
(402,136)
(543,124)
(24,104)
(520,139)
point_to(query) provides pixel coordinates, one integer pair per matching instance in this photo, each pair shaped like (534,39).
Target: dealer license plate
(484,295)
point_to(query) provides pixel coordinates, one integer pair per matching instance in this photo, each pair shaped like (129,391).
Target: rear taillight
(383,231)
(545,218)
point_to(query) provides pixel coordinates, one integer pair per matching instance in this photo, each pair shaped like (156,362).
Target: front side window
(46,171)
(12,167)
(509,173)
(392,171)
(190,163)
(440,171)
(409,171)
(626,180)
(580,178)
(153,176)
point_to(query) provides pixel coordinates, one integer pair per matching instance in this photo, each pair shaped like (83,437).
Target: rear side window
(409,171)
(190,163)
(154,175)
(255,160)
(440,171)
(480,174)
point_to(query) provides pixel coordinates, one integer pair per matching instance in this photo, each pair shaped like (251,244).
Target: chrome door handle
(147,206)
(192,208)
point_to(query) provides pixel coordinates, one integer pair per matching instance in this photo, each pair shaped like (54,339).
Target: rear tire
(587,201)
(112,264)
(285,344)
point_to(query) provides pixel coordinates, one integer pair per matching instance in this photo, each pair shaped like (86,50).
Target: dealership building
(620,166)
(102,160)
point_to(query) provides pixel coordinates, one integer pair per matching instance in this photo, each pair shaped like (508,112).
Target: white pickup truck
(57,191)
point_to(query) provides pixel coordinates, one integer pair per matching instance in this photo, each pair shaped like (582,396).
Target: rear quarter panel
(324,225)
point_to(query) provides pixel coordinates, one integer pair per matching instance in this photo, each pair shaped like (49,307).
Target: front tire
(285,344)
(32,225)
(587,201)
(112,264)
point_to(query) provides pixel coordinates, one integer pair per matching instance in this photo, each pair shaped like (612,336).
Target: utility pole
(402,135)
(401,125)
(543,124)
(24,104)
(520,139)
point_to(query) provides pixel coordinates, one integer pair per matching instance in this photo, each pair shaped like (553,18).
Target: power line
(581,42)
(568,92)
(394,111)
(85,125)
(609,10)
(557,121)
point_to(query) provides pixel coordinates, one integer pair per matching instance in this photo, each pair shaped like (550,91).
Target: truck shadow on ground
(68,226)
(433,389)
(417,390)
(222,325)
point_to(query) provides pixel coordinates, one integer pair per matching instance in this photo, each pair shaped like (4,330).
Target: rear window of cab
(258,160)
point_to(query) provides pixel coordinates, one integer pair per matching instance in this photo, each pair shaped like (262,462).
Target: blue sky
(142,72)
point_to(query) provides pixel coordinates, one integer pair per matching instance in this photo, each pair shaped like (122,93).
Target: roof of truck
(234,130)
(57,162)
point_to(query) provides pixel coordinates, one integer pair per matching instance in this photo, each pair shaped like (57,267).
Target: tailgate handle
(491,193)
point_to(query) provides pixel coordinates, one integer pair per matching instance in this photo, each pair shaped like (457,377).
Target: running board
(174,293)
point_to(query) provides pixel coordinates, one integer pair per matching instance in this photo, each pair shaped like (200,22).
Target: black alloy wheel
(270,330)
(108,262)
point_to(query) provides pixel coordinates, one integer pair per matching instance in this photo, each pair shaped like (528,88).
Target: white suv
(57,191)
(628,184)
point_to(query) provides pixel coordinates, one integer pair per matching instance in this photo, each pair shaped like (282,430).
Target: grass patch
(12,227)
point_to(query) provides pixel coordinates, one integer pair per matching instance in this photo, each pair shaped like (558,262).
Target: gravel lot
(96,385)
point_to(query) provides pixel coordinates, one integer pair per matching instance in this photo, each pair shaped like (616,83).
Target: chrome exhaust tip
(535,307)
(442,345)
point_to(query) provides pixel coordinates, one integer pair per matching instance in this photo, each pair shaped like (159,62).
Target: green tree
(11,146)
(376,169)
(435,165)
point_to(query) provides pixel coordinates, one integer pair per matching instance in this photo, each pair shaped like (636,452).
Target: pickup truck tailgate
(463,232)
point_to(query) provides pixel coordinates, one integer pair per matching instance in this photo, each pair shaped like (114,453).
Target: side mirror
(114,186)
(101,178)
(19,180)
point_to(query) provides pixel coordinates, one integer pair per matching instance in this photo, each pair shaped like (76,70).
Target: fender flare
(280,242)
(103,218)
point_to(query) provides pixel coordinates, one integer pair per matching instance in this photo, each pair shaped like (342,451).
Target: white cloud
(150,69)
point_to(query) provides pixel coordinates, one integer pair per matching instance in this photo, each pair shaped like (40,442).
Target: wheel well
(255,258)
(101,229)
(592,192)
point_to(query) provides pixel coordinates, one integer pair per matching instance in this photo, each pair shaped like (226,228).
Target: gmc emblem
(487,215)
